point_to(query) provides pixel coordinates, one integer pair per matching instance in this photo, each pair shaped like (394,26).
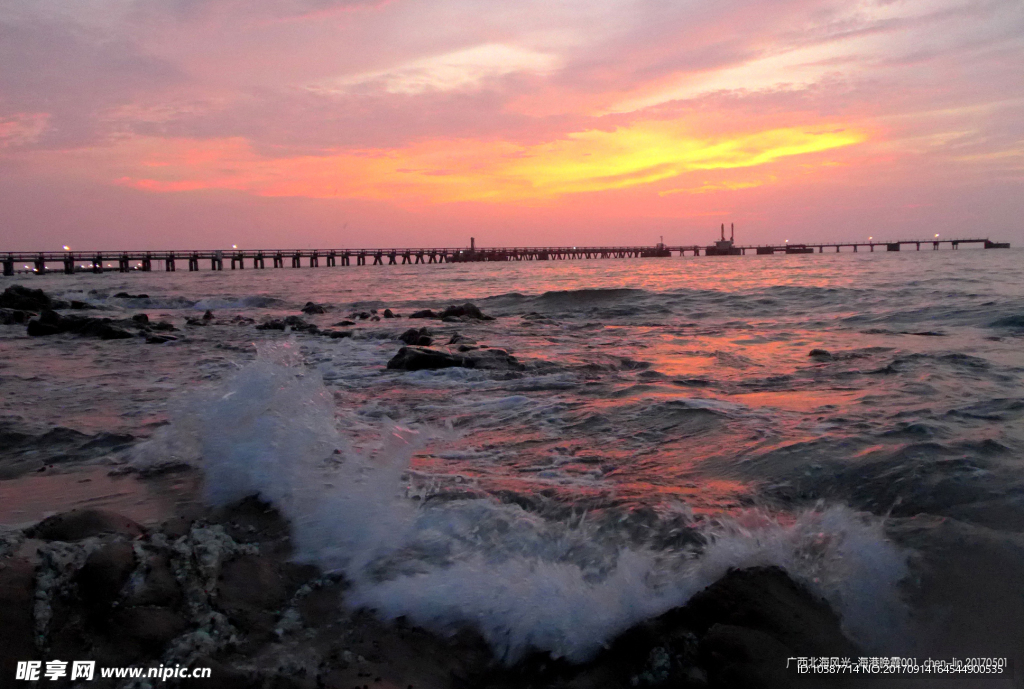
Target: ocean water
(669,424)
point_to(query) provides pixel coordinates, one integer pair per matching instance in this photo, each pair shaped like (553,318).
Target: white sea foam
(523,581)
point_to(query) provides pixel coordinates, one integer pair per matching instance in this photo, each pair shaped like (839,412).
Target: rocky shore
(218,589)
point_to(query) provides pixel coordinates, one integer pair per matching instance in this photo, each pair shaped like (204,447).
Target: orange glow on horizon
(445,171)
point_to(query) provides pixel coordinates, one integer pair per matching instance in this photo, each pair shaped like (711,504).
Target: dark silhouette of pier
(126,261)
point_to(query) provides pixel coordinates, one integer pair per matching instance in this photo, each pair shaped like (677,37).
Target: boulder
(125,295)
(104,574)
(467,310)
(83,523)
(425,313)
(25,299)
(17,599)
(81,305)
(293,322)
(821,354)
(141,319)
(310,308)
(415,358)
(344,323)
(14,316)
(417,336)
(388,313)
(52,323)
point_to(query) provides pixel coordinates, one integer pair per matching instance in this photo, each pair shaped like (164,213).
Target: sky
(167,124)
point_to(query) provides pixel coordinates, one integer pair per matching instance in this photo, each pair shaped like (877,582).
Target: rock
(336,334)
(52,323)
(311,308)
(425,313)
(159,586)
(17,622)
(415,358)
(293,322)
(25,299)
(251,590)
(141,318)
(149,626)
(820,354)
(456,338)
(208,316)
(467,310)
(389,314)
(416,336)
(345,323)
(81,305)
(14,316)
(766,598)
(125,295)
(104,574)
(160,339)
(82,523)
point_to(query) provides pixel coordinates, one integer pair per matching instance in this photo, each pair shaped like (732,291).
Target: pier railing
(125,261)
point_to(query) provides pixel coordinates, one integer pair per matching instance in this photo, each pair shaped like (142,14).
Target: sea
(670,422)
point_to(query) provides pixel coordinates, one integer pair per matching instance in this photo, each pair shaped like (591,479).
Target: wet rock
(104,574)
(419,358)
(14,316)
(52,323)
(310,308)
(361,315)
(158,587)
(83,523)
(208,316)
(141,319)
(25,299)
(17,623)
(417,336)
(456,338)
(388,313)
(467,310)
(344,323)
(149,626)
(822,354)
(293,322)
(160,339)
(81,305)
(125,295)
(251,590)
(336,334)
(425,313)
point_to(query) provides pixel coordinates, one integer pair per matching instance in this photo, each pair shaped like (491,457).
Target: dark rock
(197,321)
(342,324)
(425,313)
(25,299)
(82,523)
(311,308)
(251,590)
(293,322)
(456,338)
(125,295)
(14,316)
(388,313)
(81,305)
(104,574)
(148,626)
(417,336)
(208,316)
(160,339)
(467,310)
(17,622)
(336,334)
(159,586)
(52,323)
(820,354)
(419,358)
(453,319)
(141,318)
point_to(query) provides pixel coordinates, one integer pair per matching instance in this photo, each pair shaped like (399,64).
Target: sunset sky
(349,123)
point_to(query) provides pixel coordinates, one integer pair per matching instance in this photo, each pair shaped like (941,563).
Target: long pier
(127,261)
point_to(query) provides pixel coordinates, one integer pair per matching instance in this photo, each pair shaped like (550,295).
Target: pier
(69,262)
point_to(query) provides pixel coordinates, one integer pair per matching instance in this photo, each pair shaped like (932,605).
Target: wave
(525,582)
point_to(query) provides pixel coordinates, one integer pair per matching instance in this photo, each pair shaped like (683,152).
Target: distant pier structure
(70,261)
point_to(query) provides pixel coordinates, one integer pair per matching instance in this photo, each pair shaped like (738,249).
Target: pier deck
(125,261)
